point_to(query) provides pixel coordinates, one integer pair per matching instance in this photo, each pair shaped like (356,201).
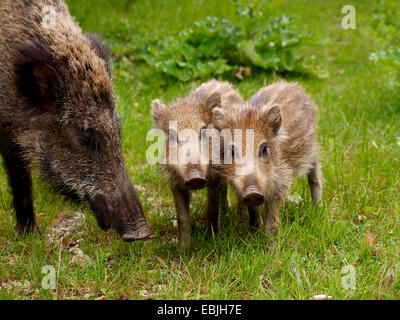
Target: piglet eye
(264,150)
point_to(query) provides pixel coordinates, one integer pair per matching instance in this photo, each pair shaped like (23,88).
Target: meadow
(347,247)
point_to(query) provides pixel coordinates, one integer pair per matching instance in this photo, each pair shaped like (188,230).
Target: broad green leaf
(390,58)
(248,50)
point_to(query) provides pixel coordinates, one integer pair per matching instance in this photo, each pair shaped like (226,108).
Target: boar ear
(158,109)
(273,118)
(36,78)
(218,118)
(97,45)
(213,101)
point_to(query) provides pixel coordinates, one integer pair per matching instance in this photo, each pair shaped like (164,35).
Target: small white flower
(272,44)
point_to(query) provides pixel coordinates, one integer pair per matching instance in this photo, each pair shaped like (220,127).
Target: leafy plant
(385,26)
(385,23)
(218,47)
(389,58)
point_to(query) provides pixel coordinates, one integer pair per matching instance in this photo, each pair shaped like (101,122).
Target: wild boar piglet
(272,140)
(189,152)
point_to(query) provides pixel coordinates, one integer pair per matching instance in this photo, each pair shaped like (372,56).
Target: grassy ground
(355,225)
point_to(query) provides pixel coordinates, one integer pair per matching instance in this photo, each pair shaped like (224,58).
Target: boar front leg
(215,192)
(182,204)
(19,176)
(272,224)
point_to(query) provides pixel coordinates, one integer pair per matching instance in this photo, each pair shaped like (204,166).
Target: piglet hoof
(184,240)
(183,245)
(272,231)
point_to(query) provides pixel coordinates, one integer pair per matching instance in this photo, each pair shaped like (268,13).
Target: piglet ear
(36,78)
(158,110)
(213,101)
(273,118)
(218,118)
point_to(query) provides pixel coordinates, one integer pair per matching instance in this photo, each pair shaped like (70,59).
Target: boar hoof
(133,235)
(23,230)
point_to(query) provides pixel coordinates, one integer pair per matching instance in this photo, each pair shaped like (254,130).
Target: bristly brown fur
(57,110)
(195,112)
(283,118)
(191,112)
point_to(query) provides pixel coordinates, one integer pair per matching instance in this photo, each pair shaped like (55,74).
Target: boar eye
(172,136)
(264,150)
(90,139)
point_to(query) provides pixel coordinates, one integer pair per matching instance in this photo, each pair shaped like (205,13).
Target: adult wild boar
(57,111)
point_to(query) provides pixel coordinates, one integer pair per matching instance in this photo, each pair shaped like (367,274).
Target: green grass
(356,224)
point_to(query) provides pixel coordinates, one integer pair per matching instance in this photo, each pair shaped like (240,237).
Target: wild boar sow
(284,147)
(57,110)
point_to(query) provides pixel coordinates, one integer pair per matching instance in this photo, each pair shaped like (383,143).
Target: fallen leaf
(389,279)
(361,218)
(66,226)
(139,188)
(239,74)
(159,287)
(79,256)
(144,293)
(369,239)
(241,70)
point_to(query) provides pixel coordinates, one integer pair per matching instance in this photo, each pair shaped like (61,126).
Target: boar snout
(253,197)
(194,180)
(121,211)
